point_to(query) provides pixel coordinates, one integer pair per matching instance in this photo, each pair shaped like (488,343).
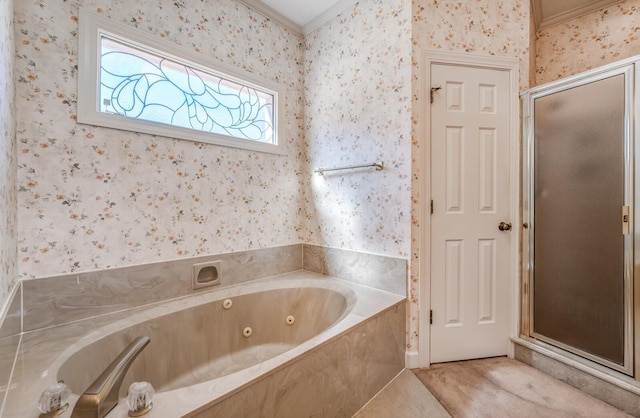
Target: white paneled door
(471,217)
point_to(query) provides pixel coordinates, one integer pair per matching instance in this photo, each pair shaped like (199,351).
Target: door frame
(511,65)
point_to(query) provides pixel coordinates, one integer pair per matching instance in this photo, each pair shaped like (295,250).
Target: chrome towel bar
(379,165)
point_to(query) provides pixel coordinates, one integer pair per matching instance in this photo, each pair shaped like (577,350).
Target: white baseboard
(411,359)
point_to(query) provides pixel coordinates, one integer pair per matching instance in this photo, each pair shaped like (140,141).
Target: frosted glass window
(132,80)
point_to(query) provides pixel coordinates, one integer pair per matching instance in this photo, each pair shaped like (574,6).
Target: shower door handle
(504,226)
(625,220)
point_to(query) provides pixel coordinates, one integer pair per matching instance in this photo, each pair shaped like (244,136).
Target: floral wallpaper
(8,162)
(358,111)
(497,27)
(602,37)
(92,198)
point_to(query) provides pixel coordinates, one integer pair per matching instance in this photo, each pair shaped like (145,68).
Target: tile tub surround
(592,385)
(57,300)
(365,346)
(380,272)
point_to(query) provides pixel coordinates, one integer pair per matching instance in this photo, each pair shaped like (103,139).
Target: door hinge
(430,317)
(433,90)
(432,207)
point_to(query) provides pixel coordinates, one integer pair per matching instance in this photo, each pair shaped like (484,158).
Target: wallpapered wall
(498,27)
(94,198)
(91,198)
(357,111)
(607,35)
(8,162)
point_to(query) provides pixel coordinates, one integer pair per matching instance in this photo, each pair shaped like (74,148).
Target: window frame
(91,29)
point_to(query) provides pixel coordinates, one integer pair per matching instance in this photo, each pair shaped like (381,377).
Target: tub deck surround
(335,380)
(9,340)
(57,300)
(8,345)
(382,272)
(42,353)
(12,323)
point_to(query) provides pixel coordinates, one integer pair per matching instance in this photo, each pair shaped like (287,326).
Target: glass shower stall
(578,215)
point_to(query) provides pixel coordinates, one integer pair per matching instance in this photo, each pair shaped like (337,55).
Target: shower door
(577,208)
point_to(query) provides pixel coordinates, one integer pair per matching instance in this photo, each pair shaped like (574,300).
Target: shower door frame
(631,72)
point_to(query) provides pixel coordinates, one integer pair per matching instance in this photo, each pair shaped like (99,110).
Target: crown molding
(301,31)
(328,15)
(536,10)
(274,15)
(575,12)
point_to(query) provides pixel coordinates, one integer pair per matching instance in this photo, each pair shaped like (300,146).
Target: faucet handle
(54,400)
(139,399)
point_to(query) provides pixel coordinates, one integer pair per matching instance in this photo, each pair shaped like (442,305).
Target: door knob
(504,226)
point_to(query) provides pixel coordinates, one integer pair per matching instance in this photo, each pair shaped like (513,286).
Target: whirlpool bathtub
(300,344)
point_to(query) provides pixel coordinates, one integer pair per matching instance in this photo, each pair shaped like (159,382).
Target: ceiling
(301,12)
(304,16)
(300,16)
